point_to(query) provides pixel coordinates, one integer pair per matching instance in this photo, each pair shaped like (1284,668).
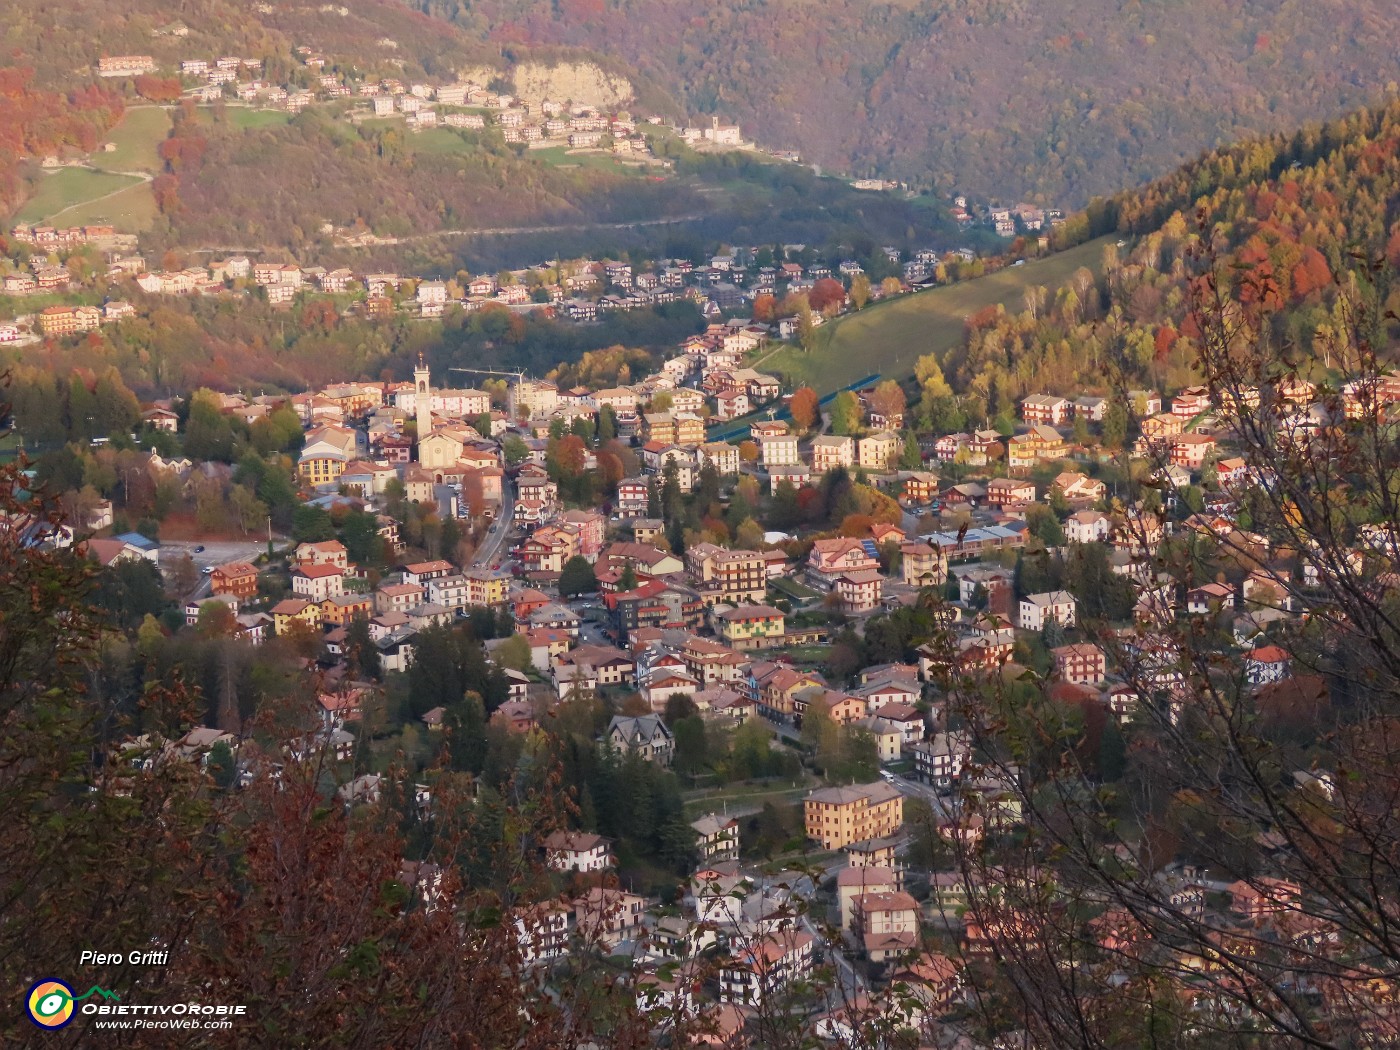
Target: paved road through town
(489,551)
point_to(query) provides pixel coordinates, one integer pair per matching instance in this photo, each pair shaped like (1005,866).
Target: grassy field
(69,187)
(890,337)
(136,137)
(132,210)
(438,141)
(561,157)
(243,117)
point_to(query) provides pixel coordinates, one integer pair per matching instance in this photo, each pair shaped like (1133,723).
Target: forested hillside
(1281,221)
(1005,97)
(278,186)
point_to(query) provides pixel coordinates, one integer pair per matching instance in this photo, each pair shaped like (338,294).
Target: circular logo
(50,1004)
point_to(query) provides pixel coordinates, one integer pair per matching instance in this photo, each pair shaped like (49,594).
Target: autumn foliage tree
(804,408)
(35,122)
(157,88)
(827,295)
(887,399)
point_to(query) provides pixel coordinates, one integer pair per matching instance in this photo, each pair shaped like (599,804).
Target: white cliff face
(582,83)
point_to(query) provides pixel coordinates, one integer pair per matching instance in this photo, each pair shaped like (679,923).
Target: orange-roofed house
(1266,665)
(935,979)
(1264,897)
(767,967)
(236,578)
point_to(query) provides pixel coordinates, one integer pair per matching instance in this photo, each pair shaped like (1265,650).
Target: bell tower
(423,400)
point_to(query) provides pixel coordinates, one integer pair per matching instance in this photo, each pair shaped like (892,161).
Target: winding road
(370,241)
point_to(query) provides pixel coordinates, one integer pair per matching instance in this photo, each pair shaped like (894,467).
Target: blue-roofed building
(149,548)
(979,542)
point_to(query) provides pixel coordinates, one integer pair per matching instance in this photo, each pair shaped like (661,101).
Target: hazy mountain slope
(1066,97)
(62,42)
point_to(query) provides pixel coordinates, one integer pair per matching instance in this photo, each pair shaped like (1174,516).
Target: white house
(1265,665)
(766,968)
(577,851)
(1087,526)
(1039,609)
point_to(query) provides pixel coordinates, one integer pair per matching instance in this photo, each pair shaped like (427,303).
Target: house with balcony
(939,761)
(749,627)
(778,450)
(879,451)
(830,452)
(577,851)
(716,838)
(922,564)
(1080,664)
(765,969)
(1046,408)
(830,558)
(1037,610)
(887,924)
(859,590)
(237,579)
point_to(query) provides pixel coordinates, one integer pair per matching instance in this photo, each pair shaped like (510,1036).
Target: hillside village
(792,286)
(794,622)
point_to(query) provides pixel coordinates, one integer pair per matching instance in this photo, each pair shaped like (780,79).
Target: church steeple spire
(423,399)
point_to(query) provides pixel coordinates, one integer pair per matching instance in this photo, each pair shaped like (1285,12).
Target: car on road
(199,549)
(208,570)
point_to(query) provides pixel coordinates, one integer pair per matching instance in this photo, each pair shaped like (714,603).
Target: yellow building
(486,588)
(295,611)
(878,451)
(838,816)
(922,564)
(753,627)
(690,430)
(340,610)
(325,454)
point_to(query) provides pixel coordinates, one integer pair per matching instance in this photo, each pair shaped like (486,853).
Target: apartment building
(835,817)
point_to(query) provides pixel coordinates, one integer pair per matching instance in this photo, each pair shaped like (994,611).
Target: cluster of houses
(766,939)
(543,122)
(461,104)
(1022,218)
